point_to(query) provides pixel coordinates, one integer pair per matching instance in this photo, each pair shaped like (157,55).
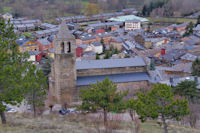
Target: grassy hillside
(78,124)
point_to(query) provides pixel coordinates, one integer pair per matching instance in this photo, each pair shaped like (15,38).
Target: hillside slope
(78,124)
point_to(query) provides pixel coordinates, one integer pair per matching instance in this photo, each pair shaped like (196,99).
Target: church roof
(116,78)
(64,32)
(110,63)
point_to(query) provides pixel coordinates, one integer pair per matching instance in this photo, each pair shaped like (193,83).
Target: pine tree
(152,65)
(144,10)
(103,96)
(196,67)
(97,57)
(46,66)
(12,66)
(189,29)
(116,51)
(107,56)
(35,85)
(188,89)
(159,102)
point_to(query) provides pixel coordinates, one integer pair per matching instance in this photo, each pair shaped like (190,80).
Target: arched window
(62,45)
(69,47)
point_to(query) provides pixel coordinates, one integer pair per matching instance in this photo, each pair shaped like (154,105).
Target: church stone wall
(132,88)
(108,71)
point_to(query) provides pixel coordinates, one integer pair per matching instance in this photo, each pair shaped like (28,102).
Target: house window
(62,45)
(69,47)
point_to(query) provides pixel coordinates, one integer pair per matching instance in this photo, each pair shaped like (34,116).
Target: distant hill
(50,9)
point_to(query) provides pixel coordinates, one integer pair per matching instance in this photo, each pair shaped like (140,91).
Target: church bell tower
(63,75)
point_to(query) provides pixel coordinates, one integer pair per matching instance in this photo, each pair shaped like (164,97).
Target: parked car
(28,107)
(69,110)
(10,110)
(63,112)
(72,110)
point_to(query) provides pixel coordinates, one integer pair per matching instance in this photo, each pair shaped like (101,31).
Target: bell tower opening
(69,47)
(62,45)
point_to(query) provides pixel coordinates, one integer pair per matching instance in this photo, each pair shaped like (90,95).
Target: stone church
(68,76)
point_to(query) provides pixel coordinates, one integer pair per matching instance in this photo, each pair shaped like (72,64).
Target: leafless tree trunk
(137,124)
(3,117)
(164,123)
(105,118)
(194,114)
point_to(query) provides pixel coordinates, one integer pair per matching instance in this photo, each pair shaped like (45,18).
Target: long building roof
(116,78)
(110,63)
(128,17)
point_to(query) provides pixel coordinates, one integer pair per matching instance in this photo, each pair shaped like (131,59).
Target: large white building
(132,24)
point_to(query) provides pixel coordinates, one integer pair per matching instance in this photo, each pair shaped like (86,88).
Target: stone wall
(108,71)
(132,88)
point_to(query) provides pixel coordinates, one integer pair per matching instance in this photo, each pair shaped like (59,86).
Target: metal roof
(110,63)
(117,78)
(34,52)
(128,17)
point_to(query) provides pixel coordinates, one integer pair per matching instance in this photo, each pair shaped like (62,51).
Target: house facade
(132,25)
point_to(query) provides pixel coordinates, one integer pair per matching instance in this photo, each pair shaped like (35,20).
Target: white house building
(97,47)
(132,24)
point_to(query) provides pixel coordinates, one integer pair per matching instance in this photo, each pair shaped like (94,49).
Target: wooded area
(51,9)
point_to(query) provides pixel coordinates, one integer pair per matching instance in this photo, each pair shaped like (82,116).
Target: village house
(45,26)
(83,48)
(50,53)
(181,70)
(131,25)
(79,51)
(105,36)
(25,27)
(116,42)
(86,39)
(106,26)
(99,31)
(131,46)
(97,47)
(142,40)
(27,45)
(7,16)
(45,33)
(35,56)
(155,42)
(115,27)
(188,58)
(197,29)
(44,44)
(73,26)
(180,27)
(191,40)
(172,55)
(90,55)
(175,81)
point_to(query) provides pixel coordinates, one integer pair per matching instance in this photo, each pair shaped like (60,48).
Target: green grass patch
(171,20)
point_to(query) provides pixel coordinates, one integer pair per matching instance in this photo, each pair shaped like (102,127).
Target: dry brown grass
(76,124)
